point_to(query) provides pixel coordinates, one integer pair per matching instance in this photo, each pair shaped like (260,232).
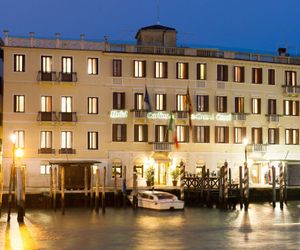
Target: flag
(189,106)
(147,100)
(171,126)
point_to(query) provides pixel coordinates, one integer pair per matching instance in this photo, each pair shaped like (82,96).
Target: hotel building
(80,103)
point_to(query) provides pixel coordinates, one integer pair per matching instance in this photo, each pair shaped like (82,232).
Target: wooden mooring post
(115,188)
(182,172)
(285,184)
(91,187)
(246,186)
(134,190)
(1,187)
(62,189)
(50,187)
(10,191)
(20,171)
(221,186)
(54,188)
(97,191)
(274,186)
(281,186)
(225,205)
(103,190)
(85,186)
(208,198)
(241,186)
(124,187)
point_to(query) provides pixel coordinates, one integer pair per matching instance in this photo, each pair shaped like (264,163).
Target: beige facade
(219,144)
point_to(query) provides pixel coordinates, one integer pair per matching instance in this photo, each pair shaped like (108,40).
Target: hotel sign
(212,117)
(118,114)
(158,116)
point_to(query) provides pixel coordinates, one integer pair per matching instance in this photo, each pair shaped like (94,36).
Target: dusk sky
(256,24)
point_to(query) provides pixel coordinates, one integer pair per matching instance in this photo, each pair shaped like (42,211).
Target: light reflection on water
(193,228)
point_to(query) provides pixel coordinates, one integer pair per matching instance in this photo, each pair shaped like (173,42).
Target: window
(291,107)
(273,136)
(160,102)
(292,136)
(46,64)
(239,105)
(138,101)
(239,74)
(119,132)
(117,67)
(201,71)
(92,66)
(19,63)
(222,72)
(19,103)
(118,100)
(161,70)
(257,75)
(139,170)
(46,139)
(66,139)
(201,134)
(140,132)
(92,140)
(161,134)
(92,105)
(182,132)
(290,78)
(222,104)
(221,134)
(239,133)
(180,102)
(182,70)
(139,69)
(66,104)
(20,138)
(256,105)
(271,76)
(257,136)
(46,103)
(202,103)
(116,169)
(45,169)
(272,107)
(66,65)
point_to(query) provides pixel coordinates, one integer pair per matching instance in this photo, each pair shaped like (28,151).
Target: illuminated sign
(212,117)
(158,115)
(118,114)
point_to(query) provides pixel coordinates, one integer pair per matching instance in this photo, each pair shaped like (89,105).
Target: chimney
(282,52)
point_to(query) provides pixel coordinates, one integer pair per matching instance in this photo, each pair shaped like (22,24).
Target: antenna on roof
(157,6)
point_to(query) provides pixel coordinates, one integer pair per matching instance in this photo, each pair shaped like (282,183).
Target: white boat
(158,200)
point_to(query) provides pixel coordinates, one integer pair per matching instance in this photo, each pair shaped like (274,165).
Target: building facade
(148,105)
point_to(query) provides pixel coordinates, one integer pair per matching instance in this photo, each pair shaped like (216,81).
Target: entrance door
(160,173)
(254,173)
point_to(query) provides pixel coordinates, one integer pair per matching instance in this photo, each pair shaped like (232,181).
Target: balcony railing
(181,114)
(46,151)
(46,76)
(257,148)
(46,116)
(67,77)
(67,151)
(239,116)
(161,146)
(291,89)
(139,113)
(67,117)
(273,117)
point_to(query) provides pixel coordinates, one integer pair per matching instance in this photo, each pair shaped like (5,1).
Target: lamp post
(13,139)
(246,177)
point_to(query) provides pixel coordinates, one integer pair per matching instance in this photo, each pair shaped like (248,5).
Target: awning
(74,162)
(161,156)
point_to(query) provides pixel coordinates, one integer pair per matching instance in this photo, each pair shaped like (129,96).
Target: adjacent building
(81,103)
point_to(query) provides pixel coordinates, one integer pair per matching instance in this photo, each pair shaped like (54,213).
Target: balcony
(181,114)
(292,90)
(161,146)
(273,117)
(46,76)
(46,116)
(139,113)
(67,151)
(67,117)
(257,148)
(239,116)
(46,151)
(67,77)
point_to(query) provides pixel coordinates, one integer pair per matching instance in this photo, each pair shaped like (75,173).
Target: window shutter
(259,106)
(195,133)
(145,131)
(122,100)
(207,134)
(225,104)
(216,134)
(206,103)
(226,134)
(225,73)
(260,136)
(253,75)
(187,134)
(242,74)
(165,69)
(236,105)
(114,132)
(297,108)
(144,69)
(23,63)
(124,132)
(115,100)
(136,130)
(177,71)
(219,72)
(156,133)
(260,75)
(277,136)
(164,101)
(198,71)
(187,71)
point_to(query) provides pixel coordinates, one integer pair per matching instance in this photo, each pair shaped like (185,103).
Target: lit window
(182,133)
(239,134)
(139,170)
(202,103)
(291,107)
(292,136)
(239,104)
(222,72)
(161,69)
(222,104)
(92,105)
(201,134)
(46,139)
(92,66)
(273,136)
(257,75)
(290,78)
(139,68)
(117,67)
(118,100)
(19,103)
(45,169)
(257,136)
(138,101)
(92,140)
(20,138)
(201,71)
(239,74)
(160,102)
(256,105)
(119,132)
(271,76)
(272,107)
(19,63)
(116,169)
(182,70)
(221,134)
(66,139)
(140,133)
(66,104)
(180,102)
(161,133)
(46,103)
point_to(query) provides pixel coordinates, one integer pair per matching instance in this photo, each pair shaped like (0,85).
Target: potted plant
(175,173)
(149,176)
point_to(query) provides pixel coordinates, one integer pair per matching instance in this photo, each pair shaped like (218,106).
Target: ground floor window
(139,170)
(45,169)
(116,169)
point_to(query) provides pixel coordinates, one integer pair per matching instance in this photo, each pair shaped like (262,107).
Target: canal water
(194,228)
